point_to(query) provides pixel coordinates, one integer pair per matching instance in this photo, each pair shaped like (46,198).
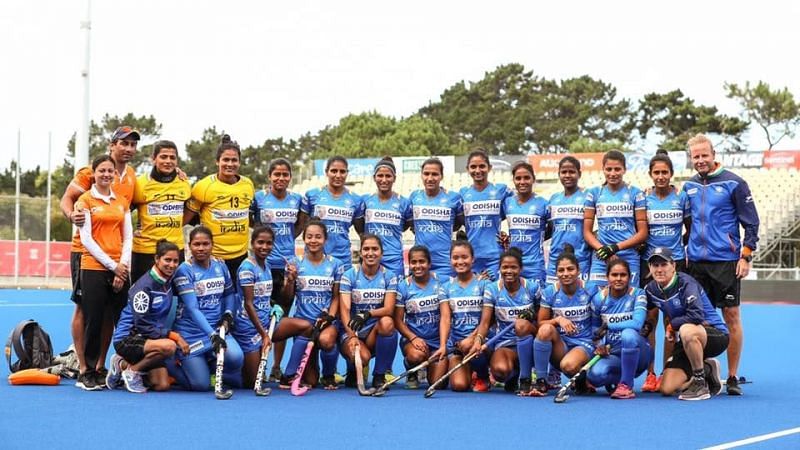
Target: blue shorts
(570,343)
(394,265)
(597,273)
(534,273)
(432,343)
(491,265)
(248,338)
(584,272)
(443,273)
(362,333)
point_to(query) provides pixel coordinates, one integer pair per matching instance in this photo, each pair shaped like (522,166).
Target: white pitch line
(5,305)
(754,439)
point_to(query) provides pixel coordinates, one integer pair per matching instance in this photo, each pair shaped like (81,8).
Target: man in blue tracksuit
(718,257)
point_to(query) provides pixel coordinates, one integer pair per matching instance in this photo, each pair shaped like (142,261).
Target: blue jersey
(421,306)
(507,307)
(565,213)
(628,311)
(260,279)
(665,222)
(387,220)
(576,308)
(147,310)
(337,213)
(616,213)
(208,292)
(527,223)
(719,203)
(314,285)
(483,213)
(434,218)
(466,305)
(367,294)
(684,301)
(281,215)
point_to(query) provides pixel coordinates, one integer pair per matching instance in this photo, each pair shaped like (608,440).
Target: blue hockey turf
(64,416)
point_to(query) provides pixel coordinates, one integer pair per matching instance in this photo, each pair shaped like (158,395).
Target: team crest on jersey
(719,189)
(141,302)
(626,197)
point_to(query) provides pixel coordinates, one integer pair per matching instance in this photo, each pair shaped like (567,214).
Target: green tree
(589,145)
(775,111)
(202,154)
(675,118)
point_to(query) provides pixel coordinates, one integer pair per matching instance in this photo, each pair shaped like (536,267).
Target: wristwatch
(748,258)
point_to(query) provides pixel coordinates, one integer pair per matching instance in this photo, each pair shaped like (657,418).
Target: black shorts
(142,262)
(278,275)
(75,274)
(644,271)
(716,343)
(233,267)
(719,280)
(131,348)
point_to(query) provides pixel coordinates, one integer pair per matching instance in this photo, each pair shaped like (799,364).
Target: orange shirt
(108,224)
(122,186)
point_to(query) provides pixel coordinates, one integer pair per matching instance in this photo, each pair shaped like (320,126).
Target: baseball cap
(661,253)
(125,132)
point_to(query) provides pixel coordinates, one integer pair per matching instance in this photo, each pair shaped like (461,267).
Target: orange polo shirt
(123,186)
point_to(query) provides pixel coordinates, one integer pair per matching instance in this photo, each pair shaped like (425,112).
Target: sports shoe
(697,390)
(623,392)
(285,381)
(582,385)
(412,382)
(479,384)
(650,383)
(338,377)
(87,381)
(133,381)
(350,379)
(389,375)
(378,379)
(275,374)
(711,369)
(540,389)
(510,385)
(554,379)
(524,387)
(114,376)
(732,386)
(328,382)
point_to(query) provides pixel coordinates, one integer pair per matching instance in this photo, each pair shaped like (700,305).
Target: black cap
(661,253)
(125,132)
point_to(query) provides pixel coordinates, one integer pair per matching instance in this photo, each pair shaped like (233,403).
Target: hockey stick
(360,371)
(561,395)
(219,392)
(259,388)
(297,388)
(432,389)
(384,387)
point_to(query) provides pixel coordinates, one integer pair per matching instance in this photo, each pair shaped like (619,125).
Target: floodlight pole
(82,137)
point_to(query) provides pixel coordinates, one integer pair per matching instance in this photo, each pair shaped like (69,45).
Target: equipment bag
(31,345)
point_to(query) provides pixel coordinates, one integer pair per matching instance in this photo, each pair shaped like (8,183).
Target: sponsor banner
(499,163)
(405,165)
(739,160)
(640,162)
(782,159)
(32,258)
(355,166)
(549,162)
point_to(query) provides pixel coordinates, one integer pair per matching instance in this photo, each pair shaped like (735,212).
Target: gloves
(647,327)
(358,321)
(607,251)
(527,314)
(217,342)
(226,321)
(324,319)
(276,313)
(600,332)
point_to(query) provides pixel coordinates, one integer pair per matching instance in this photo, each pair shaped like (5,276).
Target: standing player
(417,317)
(483,213)
(526,214)
(223,202)
(694,322)
(207,296)
(122,148)
(313,279)
(387,215)
(279,209)
(437,214)
(621,220)
(158,198)
(509,297)
(255,288)
(106,236)
(337,208)
(143,340)
(564,338)
(718,257)
(368,293)
(667,213)
(565,220)
(465,319)
(618,313)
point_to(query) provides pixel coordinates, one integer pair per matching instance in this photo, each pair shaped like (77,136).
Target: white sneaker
(133,381)
(114,377)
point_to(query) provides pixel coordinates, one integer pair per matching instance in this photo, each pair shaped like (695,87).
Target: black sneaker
(524,386)
(378,379)
(697,390)
(350,379)
(732,386)
(328,382)
(711,369)
(511,385)
(100,378)
(88,381)
(412,381)
(286,381)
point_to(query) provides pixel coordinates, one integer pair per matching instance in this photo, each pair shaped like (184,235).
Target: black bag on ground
(31,345)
